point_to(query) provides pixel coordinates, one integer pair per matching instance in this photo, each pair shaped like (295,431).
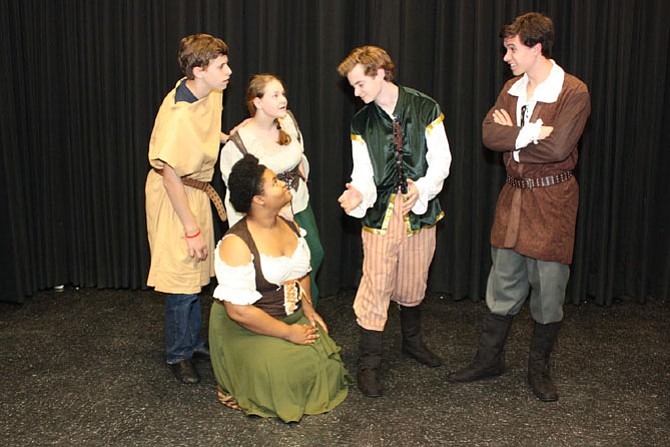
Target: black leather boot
(369,363)
(544,336)
(412,342)
(490,359)
(185,372)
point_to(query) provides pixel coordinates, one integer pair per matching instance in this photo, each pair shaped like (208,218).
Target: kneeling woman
(270,351)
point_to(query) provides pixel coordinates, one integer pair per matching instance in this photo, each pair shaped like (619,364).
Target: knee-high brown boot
(369,363)
(412,342)
(489,360)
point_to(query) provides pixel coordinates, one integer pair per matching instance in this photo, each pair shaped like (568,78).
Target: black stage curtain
(83,81)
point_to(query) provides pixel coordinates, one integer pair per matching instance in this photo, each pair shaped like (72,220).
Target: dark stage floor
(86,368)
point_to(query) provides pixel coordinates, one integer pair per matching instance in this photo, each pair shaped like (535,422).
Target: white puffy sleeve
(237,284)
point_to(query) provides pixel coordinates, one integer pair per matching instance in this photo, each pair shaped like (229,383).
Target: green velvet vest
(415,112)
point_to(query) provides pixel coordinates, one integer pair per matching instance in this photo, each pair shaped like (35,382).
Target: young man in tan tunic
(536,123)
(184,146)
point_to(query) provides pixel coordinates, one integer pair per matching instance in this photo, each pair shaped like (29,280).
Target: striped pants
(395,268)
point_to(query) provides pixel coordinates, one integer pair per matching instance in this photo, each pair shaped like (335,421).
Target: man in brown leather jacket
(536,123)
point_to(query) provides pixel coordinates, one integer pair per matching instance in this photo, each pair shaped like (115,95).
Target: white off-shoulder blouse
(237,284)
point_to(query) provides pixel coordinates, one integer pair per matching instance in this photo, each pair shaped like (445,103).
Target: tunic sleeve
(572,111)
(186,136)
(499,137)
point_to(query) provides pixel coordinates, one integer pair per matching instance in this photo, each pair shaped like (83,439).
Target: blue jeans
(183,321)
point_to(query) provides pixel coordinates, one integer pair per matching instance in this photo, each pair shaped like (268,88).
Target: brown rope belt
(542,182)
(209,190)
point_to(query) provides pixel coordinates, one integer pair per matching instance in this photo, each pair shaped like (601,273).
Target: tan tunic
(539,222)
(186,136)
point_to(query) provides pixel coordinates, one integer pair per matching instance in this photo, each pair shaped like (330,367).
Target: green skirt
(271,377)
(306,220)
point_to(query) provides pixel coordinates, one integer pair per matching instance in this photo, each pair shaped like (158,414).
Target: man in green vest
(401,157)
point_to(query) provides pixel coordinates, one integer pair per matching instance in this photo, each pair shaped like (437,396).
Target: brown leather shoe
(185,372)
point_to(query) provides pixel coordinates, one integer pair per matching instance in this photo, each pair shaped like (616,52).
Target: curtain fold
(84,81)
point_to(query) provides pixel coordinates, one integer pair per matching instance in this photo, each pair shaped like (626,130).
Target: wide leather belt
(209,190)
(542,182)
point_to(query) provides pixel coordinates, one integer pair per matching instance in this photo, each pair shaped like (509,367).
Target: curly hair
(245,182)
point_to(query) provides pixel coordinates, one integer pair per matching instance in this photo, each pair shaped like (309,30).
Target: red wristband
(196,234)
